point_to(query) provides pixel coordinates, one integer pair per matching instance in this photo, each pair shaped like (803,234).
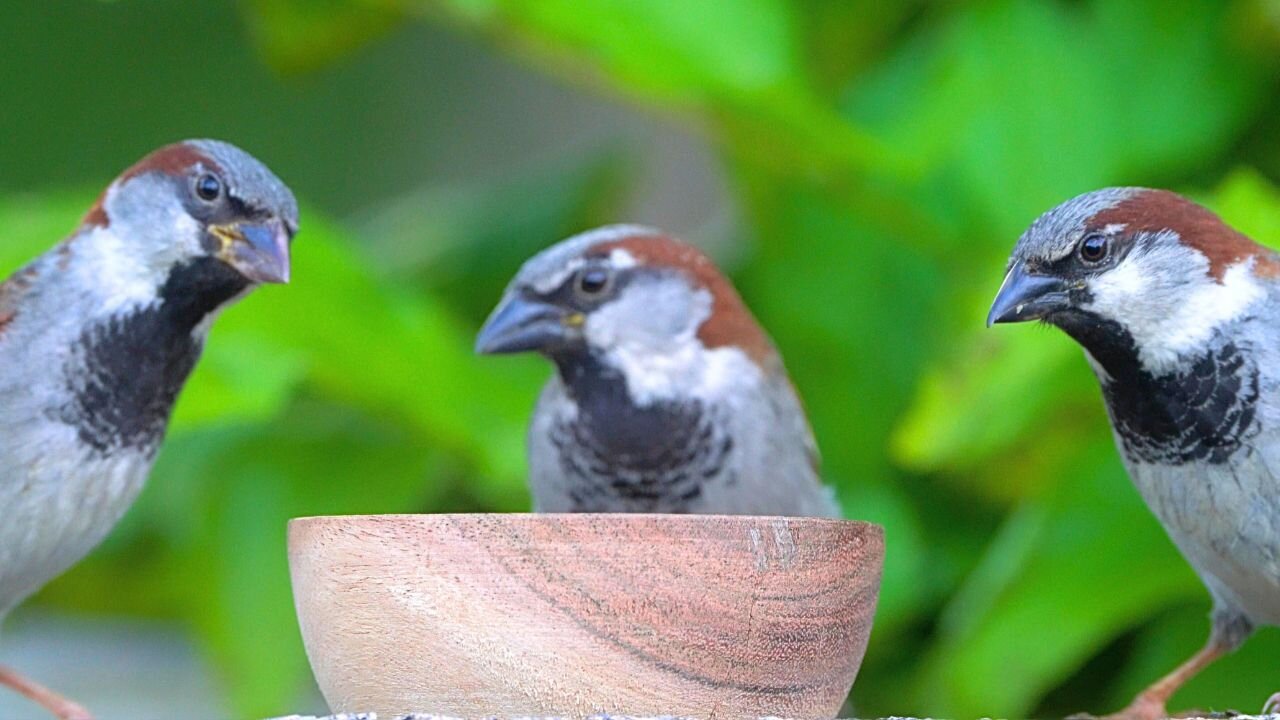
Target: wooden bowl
(567,615)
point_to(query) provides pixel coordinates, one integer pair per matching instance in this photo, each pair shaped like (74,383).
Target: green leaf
(988,400)
(384,349)
(662,47)
(298,36)
(749,75)
(252,609)
(481,233)
(240,379)
(1053,589)
(32,224)
(1019,114)
(1251,204)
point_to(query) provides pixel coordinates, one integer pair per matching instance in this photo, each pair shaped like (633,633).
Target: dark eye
(593,280)
(208,187)
(1093,248)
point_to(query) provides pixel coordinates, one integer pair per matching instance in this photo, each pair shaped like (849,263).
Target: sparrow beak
(520,324)
(1025,296)
(259,251)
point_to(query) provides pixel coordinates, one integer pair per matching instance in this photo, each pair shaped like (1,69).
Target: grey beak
(1025,296)
(520,324)
(260,251)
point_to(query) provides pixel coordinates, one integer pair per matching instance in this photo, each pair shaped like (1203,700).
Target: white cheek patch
(186,241)
(1121,285)
(728,369)
(149,232)
(691,371)
(655,377)
(651,337)
(1168,321)
(101,254)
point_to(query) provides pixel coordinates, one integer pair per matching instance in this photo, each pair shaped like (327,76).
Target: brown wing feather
(11,292)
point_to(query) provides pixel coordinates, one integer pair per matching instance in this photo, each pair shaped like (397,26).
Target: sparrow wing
(775,469)
(794,444)
(1246,491)
(1226,515)
(547,481)
(12,291)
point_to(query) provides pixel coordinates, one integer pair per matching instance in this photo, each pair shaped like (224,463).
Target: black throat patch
(127,370)
(1204,411)
(621,457)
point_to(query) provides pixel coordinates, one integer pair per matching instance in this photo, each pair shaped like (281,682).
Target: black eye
(593,280)
(208,187)
(1093,248)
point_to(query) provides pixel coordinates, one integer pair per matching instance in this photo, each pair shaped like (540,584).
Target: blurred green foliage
(884,158)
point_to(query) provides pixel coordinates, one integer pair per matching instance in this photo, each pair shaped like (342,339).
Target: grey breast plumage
(60,494)
(1202,444)
(746,453)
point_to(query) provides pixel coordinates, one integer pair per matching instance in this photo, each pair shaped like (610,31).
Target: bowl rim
(573,518)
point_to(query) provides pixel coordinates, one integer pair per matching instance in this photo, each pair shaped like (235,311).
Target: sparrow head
(200,201)
(631,297)
(1148,268)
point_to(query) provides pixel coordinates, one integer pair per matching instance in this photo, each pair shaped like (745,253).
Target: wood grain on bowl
(477,615)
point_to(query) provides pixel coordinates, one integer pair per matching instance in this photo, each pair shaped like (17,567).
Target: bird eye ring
(593,281)
(208,187)
(1093,248)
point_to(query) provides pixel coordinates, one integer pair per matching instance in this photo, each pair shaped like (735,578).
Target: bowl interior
(481,615)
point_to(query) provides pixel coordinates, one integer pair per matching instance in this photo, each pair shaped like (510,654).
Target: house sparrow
(97,337)
(1179,316)
(668,396)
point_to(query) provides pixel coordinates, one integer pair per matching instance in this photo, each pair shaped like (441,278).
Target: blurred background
(862,169)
